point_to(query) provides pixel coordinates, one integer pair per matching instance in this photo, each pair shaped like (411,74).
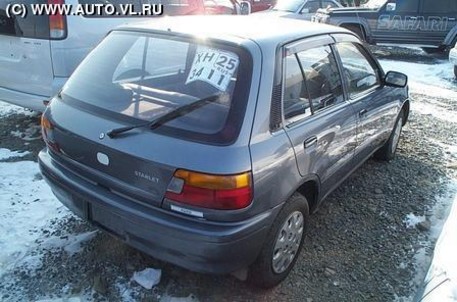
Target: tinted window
(288,5)
(323,80)
(135,77)
(439,7)
(326,4)
(31,26)
(296,96)
(360,73)
(407,6)
(311,6)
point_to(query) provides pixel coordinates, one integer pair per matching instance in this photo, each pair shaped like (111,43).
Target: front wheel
(387,152)
(283,244)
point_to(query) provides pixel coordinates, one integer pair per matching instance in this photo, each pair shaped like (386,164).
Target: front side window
(311,6)
(139,77)
(329,4)
(360,72)
(410,6)
(288,5)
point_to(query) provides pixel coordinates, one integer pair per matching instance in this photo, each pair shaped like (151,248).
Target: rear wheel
(387,152)
(283,244)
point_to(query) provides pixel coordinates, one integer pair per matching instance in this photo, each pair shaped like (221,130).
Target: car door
(25,52)
(397,22)
(320,124)
(376,108)
(436,19)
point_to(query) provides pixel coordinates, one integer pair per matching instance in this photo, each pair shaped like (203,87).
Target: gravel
(358,247)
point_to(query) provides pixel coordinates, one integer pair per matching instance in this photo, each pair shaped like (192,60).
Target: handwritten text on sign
(213,66)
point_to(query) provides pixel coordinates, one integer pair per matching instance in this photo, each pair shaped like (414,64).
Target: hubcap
(397,133)
(287,242)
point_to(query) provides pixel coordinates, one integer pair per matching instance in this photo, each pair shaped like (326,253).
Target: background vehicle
(261,5)
(211,153)
(431,24)
(39,53)
(300,9)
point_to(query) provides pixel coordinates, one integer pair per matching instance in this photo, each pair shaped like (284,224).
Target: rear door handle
(310,142)
(362,112)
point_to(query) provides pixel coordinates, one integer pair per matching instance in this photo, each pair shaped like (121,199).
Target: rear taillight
(47,129)
(57,27)
(222,192)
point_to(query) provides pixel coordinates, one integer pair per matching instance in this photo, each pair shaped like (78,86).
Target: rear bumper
(453,56)
(198,245)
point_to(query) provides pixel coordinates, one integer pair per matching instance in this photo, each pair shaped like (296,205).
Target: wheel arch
(362,25)
(451,38)
(406,108)
(310,188)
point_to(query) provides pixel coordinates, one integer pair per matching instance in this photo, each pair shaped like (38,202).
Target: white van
(39,53)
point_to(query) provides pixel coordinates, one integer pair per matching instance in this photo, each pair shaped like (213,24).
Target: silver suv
(208,141)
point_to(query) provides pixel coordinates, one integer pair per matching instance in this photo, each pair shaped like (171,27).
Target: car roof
(261,28)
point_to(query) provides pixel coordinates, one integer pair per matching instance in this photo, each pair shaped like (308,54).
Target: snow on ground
(5,153)
(6,109)
(440,284)
(412,220)
(426,78)
(27,204)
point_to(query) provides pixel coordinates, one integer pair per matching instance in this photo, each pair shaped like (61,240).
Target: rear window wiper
(173,114)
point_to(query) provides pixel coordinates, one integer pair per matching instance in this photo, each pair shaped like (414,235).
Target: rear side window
(445,7)
(32,26)
(296,100)
(360,72)
(135,77)
(312,83)
(322,77)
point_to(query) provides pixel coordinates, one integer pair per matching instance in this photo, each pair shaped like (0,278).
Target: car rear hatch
(131,78)
(25,53)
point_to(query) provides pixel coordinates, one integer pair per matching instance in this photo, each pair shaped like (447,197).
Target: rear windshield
(137,77)
(32,26)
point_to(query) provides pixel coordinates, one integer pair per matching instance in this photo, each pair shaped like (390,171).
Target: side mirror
(390,7)
(305,11)
(245,8)
(396,79)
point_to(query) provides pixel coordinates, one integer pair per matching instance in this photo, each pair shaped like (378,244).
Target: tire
(455,71)
(266,271)
(356,29)
(387,152)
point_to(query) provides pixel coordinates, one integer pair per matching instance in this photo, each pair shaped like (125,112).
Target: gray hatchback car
(207,141)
